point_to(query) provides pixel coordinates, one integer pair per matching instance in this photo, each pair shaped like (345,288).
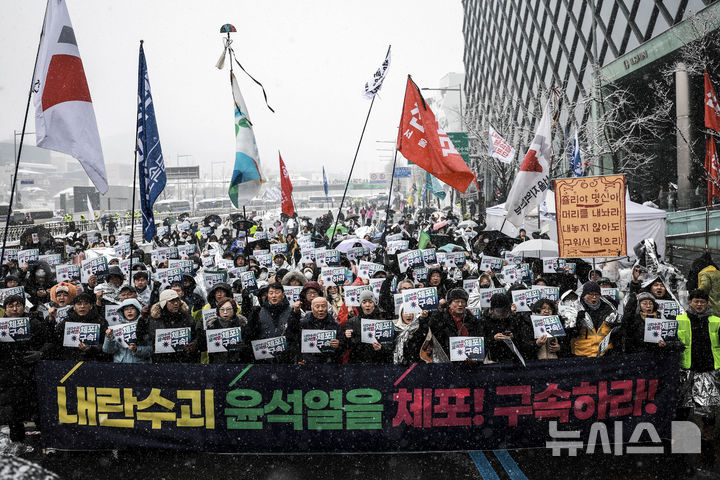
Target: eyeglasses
(593,295)
(226,309)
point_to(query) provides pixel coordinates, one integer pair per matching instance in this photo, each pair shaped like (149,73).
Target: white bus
(214,203)
(172,206)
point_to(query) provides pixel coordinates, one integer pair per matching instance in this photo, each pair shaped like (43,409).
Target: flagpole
(22,138)
(337,217)
(387,210)
(135,176)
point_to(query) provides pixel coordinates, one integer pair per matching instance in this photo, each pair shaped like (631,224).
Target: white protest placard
(355,253)
(264,259)
(51,259)
(381,331)
(122,249)
(394,237)
(167,276)
(456,259)
(524,299)
(525,273)
(668,309)
(376,284)
(185,251)
(486,294)
(276,248)
(6,292)
(332,276)
(207,261)
(548,293)
(549,325)
(77,332)
(224,264)
(125,333)
(66,273)
(260,235)
(394,245)
(327,258)
(171,340)
(510,273)
(410,259)
(550,265)
(125,266)
(352,294)
(14,329)
(209,315)
(612,293)
(470,285)
(94,266)
(224,339)
(11,254)
(657,329)
(28,257)
(420,274)
(491,263)
(513,258)
(317,341)
(211,278)
(248,281)
(429,256)
(112,316)
(234,273)
(366,270)
(61,314)
(415,300)
(267,348)
(185,265)
(292,292)
(467,348)
(398,300)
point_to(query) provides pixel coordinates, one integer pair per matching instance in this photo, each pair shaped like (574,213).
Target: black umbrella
(212,218)
(45,240)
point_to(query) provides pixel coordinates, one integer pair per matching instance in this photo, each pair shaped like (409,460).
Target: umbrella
(349,243)
(352,216)
(212,218)
(539,247)
(340,229)
(440,225)
(450,247)
(44,237)
(362,231)
(467,223)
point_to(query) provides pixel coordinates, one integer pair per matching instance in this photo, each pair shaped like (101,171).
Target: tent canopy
(641,222)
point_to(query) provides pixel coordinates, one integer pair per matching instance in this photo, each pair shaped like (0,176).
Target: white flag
(528,189)
(90,209)
(64,115)
(373,86)
(498,147)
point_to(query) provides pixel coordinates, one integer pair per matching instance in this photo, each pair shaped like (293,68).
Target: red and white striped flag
(64,116)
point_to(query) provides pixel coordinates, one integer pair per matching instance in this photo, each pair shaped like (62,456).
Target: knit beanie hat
(456,294)
(367,295)
(590,287)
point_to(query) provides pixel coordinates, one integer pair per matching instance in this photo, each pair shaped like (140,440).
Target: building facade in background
(523,50)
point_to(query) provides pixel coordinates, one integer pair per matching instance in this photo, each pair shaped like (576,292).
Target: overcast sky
(313,57)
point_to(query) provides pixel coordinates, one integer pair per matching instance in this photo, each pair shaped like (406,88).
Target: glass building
(522,49)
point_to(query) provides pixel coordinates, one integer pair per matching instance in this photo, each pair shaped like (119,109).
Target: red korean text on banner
(712,166)
(712,107)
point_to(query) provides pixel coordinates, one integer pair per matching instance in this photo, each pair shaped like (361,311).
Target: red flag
(712,166)
(64,115)
(712,108)
(424,143)
(286,188)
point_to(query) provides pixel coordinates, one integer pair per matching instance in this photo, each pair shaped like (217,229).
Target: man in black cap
(505,329)
(109,292)
(453,320)
(589,320)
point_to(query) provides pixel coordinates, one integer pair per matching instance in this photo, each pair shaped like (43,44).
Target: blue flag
(575,161)
(325,185)
(152,168)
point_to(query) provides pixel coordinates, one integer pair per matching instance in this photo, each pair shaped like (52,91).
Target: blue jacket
(122,354)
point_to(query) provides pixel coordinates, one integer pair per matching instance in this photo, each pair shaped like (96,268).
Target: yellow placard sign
(591,216)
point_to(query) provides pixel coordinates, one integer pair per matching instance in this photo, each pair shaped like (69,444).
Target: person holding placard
(632,338)
(227,317)
(171,312)
(61,295)
(506,337)
(699,331)
(318,318)
(453,320)
(336,299)
(309,292)
(18,358)
(588,321)
(549,347)
(139,347)
(83,312)
(361,352)
(437,279)
(272,319)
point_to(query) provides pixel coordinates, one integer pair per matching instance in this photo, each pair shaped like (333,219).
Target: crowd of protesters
(594,324)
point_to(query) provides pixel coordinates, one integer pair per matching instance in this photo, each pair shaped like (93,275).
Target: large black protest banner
(352,408)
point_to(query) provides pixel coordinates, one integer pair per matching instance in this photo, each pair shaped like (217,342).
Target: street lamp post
(177,160)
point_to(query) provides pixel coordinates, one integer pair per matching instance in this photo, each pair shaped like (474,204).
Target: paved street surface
(488,465)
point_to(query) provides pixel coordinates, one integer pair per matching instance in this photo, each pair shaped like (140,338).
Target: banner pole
(132,214)
(337,217)
(387,210)
(22,138)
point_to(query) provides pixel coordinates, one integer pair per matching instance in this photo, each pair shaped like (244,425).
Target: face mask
(308,275)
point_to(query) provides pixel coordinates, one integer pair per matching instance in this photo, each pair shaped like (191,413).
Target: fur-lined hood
(156,309)
(294,275)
